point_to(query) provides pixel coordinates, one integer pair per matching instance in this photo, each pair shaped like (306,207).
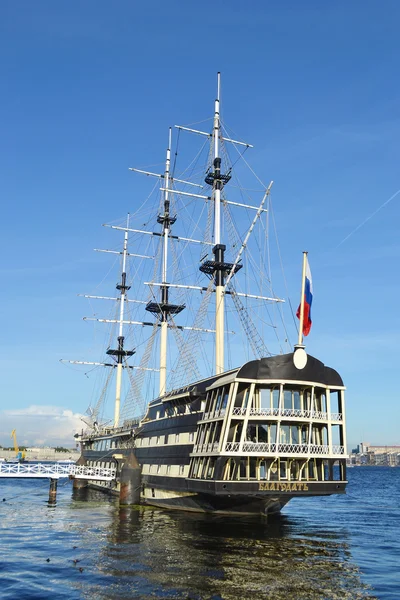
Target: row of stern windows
(264,398)
(272,398)
(269,433)
(262,469)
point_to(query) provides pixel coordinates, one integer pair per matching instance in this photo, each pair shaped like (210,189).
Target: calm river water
(320,548)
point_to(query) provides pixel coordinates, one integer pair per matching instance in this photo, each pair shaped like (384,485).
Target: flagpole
(303,288)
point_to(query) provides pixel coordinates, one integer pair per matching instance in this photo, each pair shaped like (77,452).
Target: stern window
(265,398)
(225,398)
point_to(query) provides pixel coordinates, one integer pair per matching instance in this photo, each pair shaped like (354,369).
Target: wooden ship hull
(244,442)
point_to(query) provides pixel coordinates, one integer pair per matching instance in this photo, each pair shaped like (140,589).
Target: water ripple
(88,547)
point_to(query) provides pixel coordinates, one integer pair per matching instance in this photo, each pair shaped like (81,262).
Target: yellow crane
(20,455)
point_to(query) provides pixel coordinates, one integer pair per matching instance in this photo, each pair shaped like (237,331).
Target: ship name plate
(279,486)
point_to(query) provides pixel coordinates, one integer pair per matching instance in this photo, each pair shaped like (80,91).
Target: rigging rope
(134,397)
(188,355)
(180,342)
(100,402)
(257,344)
(283,272)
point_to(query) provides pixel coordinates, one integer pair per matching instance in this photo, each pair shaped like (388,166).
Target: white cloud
(34,410)
(40,425)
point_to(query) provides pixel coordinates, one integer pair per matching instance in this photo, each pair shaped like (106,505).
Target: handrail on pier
(56,471)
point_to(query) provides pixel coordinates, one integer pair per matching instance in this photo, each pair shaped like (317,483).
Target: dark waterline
(320,548)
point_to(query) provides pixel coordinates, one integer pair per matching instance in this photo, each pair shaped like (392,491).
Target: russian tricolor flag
(308,296)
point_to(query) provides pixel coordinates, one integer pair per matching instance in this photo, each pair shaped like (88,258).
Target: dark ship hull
(244,442)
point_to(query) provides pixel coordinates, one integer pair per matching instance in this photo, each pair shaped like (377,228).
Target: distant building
(381,456)
(363,447)
(367,447)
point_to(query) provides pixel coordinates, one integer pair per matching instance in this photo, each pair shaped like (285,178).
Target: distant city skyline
(89,91)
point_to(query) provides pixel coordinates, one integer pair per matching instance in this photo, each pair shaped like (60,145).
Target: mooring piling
(79,484)
(53,491)
(130,481)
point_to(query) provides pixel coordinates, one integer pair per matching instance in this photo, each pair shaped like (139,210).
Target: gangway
(56,471)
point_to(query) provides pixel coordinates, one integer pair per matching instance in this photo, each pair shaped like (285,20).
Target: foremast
(120,353)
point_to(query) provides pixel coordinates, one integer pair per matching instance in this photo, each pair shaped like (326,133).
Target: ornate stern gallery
(240,440)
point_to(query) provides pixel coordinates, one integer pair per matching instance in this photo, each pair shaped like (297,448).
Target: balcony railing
(239,411)
(214,415)
(336,417)
(263,448)
(211,447)
(232,446)
(288,412)
(260,448)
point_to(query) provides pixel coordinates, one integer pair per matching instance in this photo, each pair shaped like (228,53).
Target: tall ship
(210,408)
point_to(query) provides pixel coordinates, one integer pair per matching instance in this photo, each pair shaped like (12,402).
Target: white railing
(211,447)
(232,446)
(264,412)
(338,450)
(263,448)
(323,449)
(214,415)
(318,414)
(239,411)
(336,417)
(290,412)
(276,412)
(97,473)
(56,471)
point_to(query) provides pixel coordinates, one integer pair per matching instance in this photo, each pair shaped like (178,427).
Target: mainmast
(120,352)
(219,249)
(163,308)
(218,268)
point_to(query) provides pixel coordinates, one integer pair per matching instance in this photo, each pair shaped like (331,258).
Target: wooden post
(53,491)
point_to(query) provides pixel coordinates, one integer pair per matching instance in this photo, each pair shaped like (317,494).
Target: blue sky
(88,89)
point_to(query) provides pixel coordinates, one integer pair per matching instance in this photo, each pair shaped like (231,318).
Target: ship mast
(120,352)
(166,222)
(218,268)
(219,248)
(163,308)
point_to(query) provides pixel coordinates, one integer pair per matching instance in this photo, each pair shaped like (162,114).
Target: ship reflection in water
(150,553)
(88,547)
